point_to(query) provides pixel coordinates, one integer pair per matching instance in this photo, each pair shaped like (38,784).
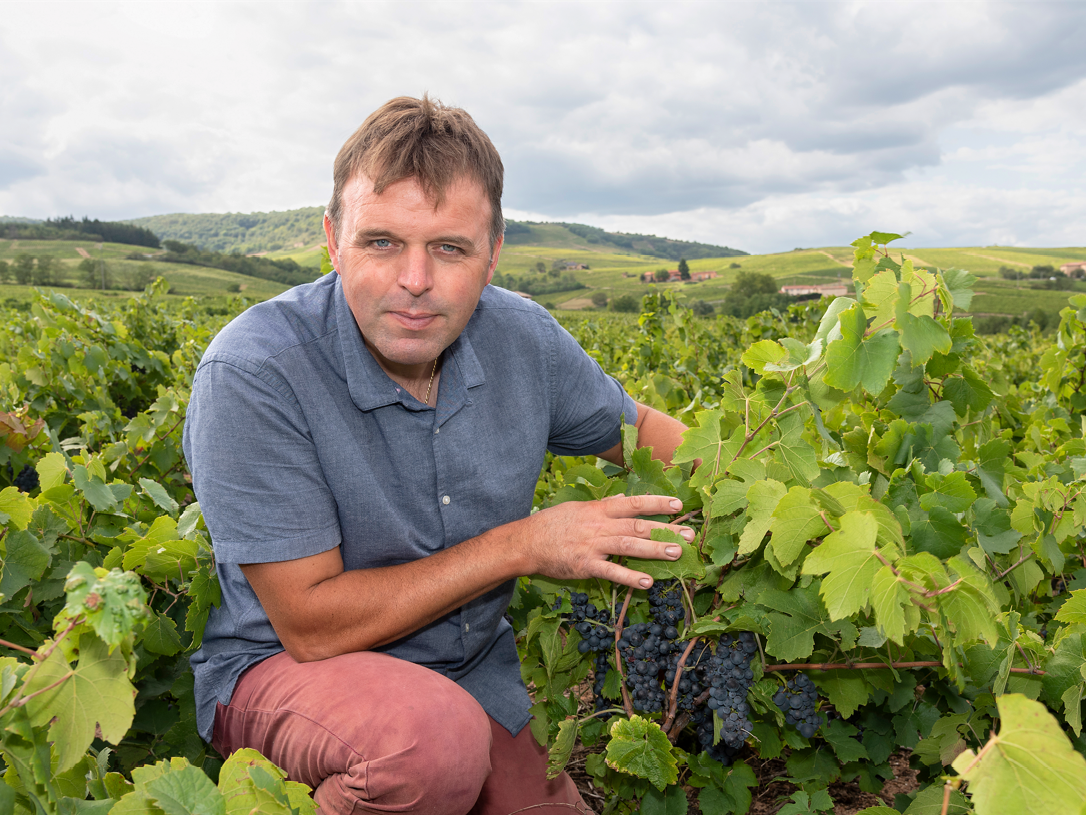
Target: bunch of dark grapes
(729,676)
(27,479)
(644,650)
(591,623)
(601,668)
(596,636)
(649,649)
(703,727)
(666,602)
(650,654)
(797,699)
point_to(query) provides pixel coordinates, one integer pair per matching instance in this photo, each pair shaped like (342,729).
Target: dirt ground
(772,794)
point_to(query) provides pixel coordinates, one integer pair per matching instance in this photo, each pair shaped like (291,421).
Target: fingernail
(687,533)
(646,582)
(676,504)
(672,551)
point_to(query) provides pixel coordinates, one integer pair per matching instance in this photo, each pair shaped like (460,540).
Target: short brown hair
(422,139)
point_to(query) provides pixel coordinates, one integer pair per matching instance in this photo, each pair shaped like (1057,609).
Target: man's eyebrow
(464,242)
(365,235)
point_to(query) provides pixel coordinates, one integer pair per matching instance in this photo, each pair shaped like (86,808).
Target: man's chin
(407,352)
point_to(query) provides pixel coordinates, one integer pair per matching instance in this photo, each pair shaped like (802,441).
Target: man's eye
(382,243)
(448,247)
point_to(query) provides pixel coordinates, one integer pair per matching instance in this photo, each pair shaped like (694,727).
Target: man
(365,450)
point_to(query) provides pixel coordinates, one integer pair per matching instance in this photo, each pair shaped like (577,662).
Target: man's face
(412,274)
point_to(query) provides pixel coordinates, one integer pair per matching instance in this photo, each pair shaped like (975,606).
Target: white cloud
(752,124)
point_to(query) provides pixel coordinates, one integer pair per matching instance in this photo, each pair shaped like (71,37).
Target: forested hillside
(243,232)
(301,228)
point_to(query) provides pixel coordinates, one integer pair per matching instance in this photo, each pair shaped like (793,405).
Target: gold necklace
(430,384)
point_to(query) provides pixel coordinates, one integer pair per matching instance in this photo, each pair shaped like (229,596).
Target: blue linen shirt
(298,442)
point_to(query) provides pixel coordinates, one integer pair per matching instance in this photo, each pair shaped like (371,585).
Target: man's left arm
(654,429)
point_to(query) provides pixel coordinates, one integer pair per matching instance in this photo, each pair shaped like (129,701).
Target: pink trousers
(374,734)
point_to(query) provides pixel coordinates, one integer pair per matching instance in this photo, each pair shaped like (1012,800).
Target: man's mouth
(413,321)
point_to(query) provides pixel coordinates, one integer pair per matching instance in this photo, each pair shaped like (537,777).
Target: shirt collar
(371,388)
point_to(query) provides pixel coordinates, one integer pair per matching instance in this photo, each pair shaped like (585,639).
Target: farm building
(833,290)
(673,276)
(1074,269)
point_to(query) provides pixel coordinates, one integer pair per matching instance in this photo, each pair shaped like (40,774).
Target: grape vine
(890,556)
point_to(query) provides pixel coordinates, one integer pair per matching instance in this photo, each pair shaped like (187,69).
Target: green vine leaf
(94,489)
(113,603)
(688,565)
(1074,608)
(562,748)
(848,559)
(157,493)
(639,747)
(1029,767)
(795,617)
(852,360)
(96,692)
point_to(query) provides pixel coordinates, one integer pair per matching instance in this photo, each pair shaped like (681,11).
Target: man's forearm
(320,610)
(654,429)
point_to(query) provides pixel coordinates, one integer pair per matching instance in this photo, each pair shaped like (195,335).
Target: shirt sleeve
(255,469)
(588,407)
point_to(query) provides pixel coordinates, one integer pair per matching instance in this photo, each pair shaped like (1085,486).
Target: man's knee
(436,760)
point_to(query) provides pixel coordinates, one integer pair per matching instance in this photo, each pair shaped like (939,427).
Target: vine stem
(866,666)
(916,587)
(687,516)
(983,751)
(1015,565)
(15,647)
(673,702)
(21,700)
(158,439)
(946,798)
(773,414)
(627,703)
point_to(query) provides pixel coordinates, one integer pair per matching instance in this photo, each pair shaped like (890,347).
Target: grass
(185,280)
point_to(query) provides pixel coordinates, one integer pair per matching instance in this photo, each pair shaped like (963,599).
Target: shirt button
(445,499)
(467,626)
(437,430)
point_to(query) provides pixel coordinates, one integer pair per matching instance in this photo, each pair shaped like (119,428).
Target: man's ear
(495,252)
(333,249)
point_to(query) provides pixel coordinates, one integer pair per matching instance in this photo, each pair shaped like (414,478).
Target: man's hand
(575,540)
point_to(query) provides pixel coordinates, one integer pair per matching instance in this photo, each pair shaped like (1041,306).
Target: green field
(184,280)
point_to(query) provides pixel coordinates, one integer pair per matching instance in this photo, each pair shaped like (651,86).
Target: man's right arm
(320,610)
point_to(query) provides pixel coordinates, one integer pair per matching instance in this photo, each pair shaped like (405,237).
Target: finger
(627,546)
(609,570)
(642,528)
(625,506)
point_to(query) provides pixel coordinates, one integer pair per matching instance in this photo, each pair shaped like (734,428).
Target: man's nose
(416,272)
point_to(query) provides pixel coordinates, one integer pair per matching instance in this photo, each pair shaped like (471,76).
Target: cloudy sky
(763,125)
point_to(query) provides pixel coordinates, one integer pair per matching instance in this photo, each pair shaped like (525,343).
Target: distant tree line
(284,271)
(651,244)
(240,232)
(92,273)
(69,229)
(753,292)
(1049,277)
(1002,323)
(537,284)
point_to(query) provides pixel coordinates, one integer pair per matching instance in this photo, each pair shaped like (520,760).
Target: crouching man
(365,449)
